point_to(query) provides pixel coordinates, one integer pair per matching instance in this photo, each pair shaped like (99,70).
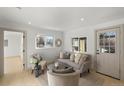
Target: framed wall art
(43,41)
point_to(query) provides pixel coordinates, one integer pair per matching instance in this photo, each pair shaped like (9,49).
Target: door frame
(1,53)
(121,45)
(24,43)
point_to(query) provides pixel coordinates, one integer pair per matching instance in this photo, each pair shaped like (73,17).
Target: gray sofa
(82,65)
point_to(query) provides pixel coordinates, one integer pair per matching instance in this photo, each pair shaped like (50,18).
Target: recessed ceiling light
(82,19)
(29,22)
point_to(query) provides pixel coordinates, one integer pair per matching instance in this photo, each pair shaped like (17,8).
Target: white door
(108,52)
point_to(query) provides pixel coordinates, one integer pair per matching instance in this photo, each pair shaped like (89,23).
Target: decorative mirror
(58,42)
(42,41)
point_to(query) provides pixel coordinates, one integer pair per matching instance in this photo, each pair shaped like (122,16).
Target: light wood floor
(20,77)
(13,65)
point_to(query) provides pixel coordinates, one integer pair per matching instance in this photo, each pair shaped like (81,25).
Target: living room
(52,33)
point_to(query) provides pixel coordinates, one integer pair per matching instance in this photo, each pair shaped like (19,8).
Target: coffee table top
(61,68)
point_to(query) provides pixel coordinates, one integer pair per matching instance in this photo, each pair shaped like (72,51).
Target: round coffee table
(61,68)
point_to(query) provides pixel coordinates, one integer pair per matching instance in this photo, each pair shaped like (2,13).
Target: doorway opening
(13,52)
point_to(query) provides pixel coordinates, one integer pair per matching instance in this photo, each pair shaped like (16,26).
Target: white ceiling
(62,18)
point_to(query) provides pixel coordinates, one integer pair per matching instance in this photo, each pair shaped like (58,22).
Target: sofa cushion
(67,61)
(72,57)
(77,57)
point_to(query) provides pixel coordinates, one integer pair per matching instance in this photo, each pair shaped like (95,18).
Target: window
(79,44)
(83,44)
(107,42)
(75,44)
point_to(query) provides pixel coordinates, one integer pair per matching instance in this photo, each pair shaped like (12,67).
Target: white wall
(14,43)
(49,54)
(88,32)
(82,32)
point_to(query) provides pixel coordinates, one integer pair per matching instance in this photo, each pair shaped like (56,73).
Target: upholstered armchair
(68,79)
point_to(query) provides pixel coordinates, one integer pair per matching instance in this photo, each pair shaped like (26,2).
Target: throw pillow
(72,57)
(77,58)
(61,55)
(66,55)
(83,59)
